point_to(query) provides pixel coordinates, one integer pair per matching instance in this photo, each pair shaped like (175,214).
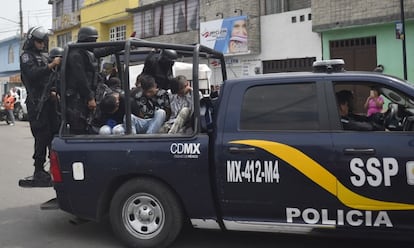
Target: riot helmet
(87,34)
(36,33)
(56,52)
(168,54)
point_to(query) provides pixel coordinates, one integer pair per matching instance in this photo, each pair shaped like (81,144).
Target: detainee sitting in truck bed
(150,107)
(181,106)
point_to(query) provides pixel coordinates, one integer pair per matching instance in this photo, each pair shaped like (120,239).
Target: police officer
(35,71)
(159,65)
(54,80)
(82,78)
(56,52)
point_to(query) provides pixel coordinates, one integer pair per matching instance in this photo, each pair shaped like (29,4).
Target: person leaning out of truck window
(374,102)
(150,107)
(181,105)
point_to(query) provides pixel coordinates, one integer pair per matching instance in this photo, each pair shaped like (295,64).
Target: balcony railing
(66,20)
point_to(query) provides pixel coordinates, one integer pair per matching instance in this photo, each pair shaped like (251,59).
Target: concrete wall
(282,39)
(332,14)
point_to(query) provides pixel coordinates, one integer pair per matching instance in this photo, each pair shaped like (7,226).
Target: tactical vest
(34,89)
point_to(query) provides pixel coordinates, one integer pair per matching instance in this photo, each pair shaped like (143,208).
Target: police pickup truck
(269,155)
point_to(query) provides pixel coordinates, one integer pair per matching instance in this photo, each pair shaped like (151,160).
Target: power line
(8,31)
(4,18)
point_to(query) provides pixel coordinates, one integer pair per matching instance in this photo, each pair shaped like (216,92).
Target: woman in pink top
(374,102)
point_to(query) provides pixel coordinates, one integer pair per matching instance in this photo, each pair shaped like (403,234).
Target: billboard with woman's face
(228,36)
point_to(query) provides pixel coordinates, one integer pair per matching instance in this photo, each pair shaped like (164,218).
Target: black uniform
(159,66)
(81,81)
(35,76)
(360,123)
(82,76)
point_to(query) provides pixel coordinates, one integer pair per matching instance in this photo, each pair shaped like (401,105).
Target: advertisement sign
(228,35)
(399,30)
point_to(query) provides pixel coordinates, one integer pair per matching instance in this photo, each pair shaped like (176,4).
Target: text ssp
(253,171)
(373,171)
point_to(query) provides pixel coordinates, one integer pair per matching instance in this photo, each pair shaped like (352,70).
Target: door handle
(352,151)
(233,149)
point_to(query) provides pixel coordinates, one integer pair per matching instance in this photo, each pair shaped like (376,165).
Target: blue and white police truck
(270,154)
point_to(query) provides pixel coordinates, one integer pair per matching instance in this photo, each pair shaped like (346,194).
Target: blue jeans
(11,115)
(151,125)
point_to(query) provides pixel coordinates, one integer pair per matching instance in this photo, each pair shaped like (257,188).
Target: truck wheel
(145,213)
(18,110)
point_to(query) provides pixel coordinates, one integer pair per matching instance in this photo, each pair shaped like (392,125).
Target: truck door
(376,168)
(275,153)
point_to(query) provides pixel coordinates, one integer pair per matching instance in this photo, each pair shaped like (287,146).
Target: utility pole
(21,18)
(403,39)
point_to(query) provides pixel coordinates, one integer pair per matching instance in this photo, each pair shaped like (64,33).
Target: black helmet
(168,54)
(87,34)
(56,52)
(35,33)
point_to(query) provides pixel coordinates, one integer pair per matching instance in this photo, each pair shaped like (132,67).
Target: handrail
(132,46)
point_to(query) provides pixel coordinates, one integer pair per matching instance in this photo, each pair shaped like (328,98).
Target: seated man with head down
(112,111)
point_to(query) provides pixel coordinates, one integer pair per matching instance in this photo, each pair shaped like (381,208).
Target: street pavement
(24,225)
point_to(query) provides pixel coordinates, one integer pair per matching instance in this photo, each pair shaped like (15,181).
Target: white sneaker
(11,124)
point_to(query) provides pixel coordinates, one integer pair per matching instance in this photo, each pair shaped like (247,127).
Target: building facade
(9,63)
(279,35)
(66,21)
(109,17)
(256,36)
(366,33)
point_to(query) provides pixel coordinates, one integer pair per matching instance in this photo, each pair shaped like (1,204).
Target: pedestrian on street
(35,71)
(8,103)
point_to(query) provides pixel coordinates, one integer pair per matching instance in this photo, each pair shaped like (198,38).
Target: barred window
(168,19)
(177,17)
(64,39)
(280,6)
(117,33)
(75,5)
(59,8)
(149,23)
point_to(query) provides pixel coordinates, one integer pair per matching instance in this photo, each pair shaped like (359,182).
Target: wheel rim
(20,114)
(143,216)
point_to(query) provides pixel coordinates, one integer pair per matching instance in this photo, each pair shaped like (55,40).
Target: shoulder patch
(25,57)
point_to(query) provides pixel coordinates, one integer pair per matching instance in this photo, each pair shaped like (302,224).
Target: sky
(35,13)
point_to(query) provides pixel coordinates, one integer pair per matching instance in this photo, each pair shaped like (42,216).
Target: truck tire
(18,112)
(145,213)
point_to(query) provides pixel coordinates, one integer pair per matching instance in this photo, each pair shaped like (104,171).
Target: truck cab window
(280,107)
